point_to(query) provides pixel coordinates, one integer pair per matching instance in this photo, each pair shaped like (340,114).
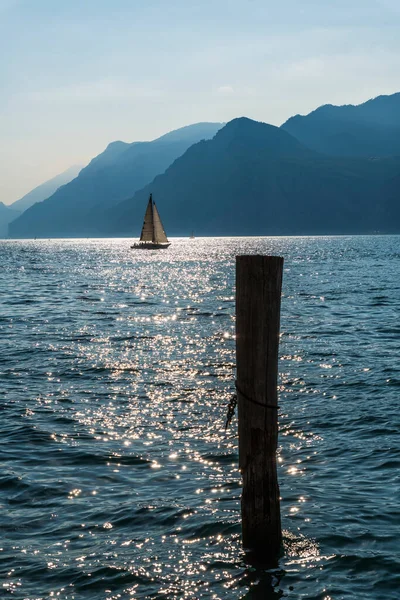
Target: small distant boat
(153,236)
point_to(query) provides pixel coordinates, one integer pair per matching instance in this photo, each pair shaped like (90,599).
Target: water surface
(117,479)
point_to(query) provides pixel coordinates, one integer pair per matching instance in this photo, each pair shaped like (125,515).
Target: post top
(259,257)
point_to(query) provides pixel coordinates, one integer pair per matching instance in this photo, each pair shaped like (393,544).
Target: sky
(76,75)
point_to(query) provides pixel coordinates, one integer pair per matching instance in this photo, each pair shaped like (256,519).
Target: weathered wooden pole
(258,302)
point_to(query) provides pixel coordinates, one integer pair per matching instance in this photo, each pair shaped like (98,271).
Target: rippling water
(117,479)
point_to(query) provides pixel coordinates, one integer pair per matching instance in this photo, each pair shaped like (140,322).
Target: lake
(116,367)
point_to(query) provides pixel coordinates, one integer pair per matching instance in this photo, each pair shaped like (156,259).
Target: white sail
(159,233)
(148,223)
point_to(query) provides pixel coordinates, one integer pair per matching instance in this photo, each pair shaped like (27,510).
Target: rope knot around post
(233,403)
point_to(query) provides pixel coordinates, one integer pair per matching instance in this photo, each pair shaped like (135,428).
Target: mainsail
(148,223)
(152,230)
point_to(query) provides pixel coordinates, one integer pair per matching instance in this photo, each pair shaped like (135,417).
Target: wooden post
(258,301)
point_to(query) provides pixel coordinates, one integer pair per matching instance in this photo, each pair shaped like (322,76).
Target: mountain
(368,130)
(43,191)
(114,175)
(256,179)
(6,216)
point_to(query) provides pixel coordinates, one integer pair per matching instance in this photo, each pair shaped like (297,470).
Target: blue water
(117,479)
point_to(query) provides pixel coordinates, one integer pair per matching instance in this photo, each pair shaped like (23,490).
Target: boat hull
(149,246)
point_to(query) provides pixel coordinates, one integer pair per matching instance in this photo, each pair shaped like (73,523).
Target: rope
(273,406)
(233,403)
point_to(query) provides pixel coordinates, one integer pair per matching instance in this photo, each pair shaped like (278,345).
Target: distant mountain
(256,179)
(43,191)
(338,172)
(114,175)
(6,216)
(368,130)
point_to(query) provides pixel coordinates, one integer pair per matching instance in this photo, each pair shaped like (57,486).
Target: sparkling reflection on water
(116,367)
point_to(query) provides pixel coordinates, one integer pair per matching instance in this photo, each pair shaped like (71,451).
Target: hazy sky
(78,74)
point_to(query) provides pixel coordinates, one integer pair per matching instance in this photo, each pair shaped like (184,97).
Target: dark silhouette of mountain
(369,129)
(109,178)
(43,191)
(256,179)
(6,216)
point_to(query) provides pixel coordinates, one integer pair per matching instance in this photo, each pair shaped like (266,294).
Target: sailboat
(153,236)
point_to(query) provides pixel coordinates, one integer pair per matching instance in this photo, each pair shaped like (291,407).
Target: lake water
(117,479)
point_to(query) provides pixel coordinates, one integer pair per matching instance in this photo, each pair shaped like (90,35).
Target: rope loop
(233,403)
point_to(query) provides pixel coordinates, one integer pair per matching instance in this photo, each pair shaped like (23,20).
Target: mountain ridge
(368,129)
(295,183)
(111,176)
(259,193)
